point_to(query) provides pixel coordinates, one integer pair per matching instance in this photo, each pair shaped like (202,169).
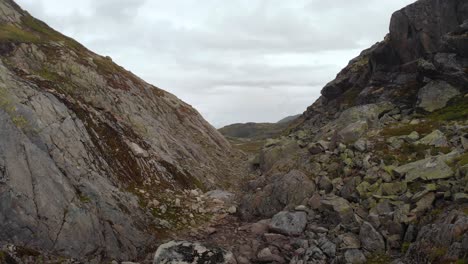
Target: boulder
(435,95)
(284,149)
(360,145)
(184,252)
(355,256)
(427,169)
(289,223)
(371,239)
(279,191)
(349,241)
(425,203)
(353,131)
(221,195)
(327,247)
(265,255)
(393,188)
(339,209)
(436,139)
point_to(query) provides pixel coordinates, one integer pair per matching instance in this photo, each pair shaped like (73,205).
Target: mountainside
(91,156)
(376,171)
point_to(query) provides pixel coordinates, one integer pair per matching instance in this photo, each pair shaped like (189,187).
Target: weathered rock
(355,256)
(269,156)
(265,255)
(371,239)
(327,247)
(425,203)
(436,95)
(394,188)
(427,169)
(353,131)
(289,223)
(221,195)
(280,191)
(349,241)
(339,209)
(436,138)
(360,145)
(184,252)
(461,198)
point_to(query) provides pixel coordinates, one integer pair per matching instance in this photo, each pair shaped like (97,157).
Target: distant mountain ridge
(257,131)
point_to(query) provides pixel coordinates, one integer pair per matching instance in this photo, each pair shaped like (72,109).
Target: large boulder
(427,169)
(274,153)
(184,252)
(435,95)
(436,139)
(289,223)
(276,193)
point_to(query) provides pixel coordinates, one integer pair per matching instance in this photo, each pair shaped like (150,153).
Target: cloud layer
(235,61)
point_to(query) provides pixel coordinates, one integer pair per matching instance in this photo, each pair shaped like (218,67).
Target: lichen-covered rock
(426,169)
(184,252)
(436,139)
(436,95)
(339,210)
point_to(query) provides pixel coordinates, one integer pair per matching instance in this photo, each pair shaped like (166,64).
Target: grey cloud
(235,61)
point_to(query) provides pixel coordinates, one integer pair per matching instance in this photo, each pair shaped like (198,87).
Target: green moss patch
(457,109)
(11,33)
(423,128)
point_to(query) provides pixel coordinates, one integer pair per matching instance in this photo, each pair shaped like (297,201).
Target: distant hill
(257,131)
(289,119)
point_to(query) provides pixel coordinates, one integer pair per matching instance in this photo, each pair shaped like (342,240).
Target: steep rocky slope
(376,170)
(92,157)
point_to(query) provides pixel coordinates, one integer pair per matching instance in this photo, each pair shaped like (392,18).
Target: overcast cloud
(235,61)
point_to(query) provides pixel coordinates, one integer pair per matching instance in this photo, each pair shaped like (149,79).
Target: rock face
(191,253)
(422,55)
(85,144)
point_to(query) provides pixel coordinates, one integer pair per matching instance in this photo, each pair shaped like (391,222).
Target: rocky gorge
(97,166)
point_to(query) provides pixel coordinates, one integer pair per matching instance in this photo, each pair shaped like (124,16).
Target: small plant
(84,199)
(405,246)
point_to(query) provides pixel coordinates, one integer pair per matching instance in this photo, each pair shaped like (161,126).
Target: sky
(235,61)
